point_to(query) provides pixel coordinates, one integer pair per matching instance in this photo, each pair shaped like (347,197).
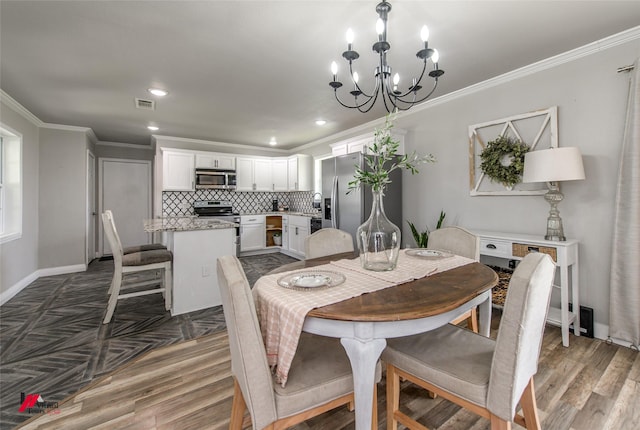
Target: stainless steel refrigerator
(347,211)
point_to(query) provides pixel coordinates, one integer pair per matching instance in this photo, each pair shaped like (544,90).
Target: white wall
(19,258)
(591,99)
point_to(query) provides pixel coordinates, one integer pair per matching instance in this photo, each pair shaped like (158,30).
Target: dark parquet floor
(53,342)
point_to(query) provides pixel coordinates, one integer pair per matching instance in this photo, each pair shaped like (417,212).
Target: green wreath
(493,155)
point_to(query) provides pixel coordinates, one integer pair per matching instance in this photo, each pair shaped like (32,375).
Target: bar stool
(152,259)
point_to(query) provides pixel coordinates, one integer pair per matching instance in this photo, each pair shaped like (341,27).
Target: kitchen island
(196,245)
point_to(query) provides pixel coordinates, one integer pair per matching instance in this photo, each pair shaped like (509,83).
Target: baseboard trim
(601,331)
(7,295)
(62,270)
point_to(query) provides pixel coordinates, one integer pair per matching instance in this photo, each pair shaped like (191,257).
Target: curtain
(624,310)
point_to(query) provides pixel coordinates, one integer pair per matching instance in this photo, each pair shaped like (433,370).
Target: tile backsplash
(180,203)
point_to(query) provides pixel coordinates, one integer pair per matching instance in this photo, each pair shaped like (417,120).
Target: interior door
(126,190)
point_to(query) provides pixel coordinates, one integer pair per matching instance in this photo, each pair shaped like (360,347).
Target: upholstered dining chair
(484,376)
(319,379)
(327,241)
(137,248)
(460,242)
(153,259)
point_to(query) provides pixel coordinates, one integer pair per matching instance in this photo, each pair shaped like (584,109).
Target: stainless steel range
(218,209)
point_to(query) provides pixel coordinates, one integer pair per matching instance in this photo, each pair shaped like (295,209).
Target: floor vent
(145,104)
(586,320)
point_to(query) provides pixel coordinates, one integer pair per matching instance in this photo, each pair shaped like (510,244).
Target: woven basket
(522,249)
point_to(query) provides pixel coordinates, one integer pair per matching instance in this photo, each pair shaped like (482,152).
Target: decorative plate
(311,280)
(428,254)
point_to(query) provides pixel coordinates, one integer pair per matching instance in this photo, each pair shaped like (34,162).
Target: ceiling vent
(145,104)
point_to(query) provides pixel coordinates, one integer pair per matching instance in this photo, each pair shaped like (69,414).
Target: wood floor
(53,342)
(590,385)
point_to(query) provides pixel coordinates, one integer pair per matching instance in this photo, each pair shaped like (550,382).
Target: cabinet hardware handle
(491,246)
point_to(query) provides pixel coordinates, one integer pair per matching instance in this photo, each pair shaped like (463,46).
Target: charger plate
(311,280)
(428,254)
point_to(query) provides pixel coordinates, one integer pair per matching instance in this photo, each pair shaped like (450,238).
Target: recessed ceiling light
(158,92)
(153,128)
(273,142)
(320,122)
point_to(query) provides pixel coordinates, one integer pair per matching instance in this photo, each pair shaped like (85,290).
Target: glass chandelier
(393,98)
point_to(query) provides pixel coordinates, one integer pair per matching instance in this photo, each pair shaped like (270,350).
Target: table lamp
(552,166)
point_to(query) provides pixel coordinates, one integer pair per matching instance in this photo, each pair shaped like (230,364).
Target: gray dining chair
(459,241)
(484,376)
(155,259)
(319,379)
(327,241)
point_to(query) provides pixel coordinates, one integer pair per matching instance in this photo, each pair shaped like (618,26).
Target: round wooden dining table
(364,323)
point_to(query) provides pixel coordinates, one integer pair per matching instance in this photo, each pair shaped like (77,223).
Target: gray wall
(130,152)
(62,197)
(591,99)
(19,258)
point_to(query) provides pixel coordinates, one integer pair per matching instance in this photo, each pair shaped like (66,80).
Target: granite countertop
(309,214)
(184,224)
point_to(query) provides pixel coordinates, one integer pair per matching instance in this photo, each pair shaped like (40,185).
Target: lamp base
(554,222)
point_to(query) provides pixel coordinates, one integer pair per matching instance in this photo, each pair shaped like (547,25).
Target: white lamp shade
(553,165)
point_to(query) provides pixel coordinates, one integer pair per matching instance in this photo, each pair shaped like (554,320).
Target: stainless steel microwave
(215,178)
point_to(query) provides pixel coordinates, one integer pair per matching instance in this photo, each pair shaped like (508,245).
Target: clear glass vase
(378,239)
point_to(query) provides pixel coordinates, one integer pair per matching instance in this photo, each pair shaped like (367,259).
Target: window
(10,185)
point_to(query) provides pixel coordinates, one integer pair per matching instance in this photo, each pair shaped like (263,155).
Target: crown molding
(125,145)
(86,130)
(548,63)
(223,144)
(18,108)
(24,112)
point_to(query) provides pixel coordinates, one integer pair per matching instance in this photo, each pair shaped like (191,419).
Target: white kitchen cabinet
(214,160)
(279,167)
(252,232)
(300,173)
(253,174)
(299,228)
(178,171)
(262,174)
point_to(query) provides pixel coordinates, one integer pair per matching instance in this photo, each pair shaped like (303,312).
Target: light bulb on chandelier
(393,98)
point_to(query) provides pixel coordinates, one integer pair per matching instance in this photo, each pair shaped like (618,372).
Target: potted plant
(422,238)
(378,238)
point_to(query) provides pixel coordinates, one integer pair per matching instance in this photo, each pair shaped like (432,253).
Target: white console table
(565,254)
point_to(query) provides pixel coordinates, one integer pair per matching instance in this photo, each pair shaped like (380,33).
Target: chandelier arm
(414,101)
(373,102)
(358,86)
(435,85)
(357,106)
(409,91)
(387,95)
